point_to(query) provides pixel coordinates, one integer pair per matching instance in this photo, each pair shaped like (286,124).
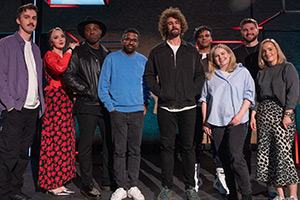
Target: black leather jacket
(82,74)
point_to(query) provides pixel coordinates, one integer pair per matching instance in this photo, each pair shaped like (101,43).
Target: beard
(173,34)
(128,51)
(251,40)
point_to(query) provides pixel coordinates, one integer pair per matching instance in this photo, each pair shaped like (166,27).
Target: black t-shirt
(248,56)
(100,55)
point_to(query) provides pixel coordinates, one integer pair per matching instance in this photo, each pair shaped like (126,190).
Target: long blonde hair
(280,56)
(212,66)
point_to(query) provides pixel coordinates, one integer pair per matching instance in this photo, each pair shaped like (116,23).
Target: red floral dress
(57,155)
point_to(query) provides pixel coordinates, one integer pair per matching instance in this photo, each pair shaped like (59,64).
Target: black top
(82,76)
(178,82)
(279,82)
(248,56)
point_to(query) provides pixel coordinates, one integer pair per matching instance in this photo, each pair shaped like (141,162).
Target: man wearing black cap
(82,77)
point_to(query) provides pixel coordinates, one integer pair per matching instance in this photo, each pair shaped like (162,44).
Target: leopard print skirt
(275,164)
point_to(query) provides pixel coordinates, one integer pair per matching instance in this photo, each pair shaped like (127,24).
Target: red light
(227,42)
(239,28)
(73,37)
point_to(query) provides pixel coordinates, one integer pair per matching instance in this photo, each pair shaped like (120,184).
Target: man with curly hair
(177,66)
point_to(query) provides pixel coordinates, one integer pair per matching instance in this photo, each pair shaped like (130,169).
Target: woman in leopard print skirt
(274,119)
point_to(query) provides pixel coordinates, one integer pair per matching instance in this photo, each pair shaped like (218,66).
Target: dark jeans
(87,126)
(167,122)
(229,142)
(17,135)
(127,130)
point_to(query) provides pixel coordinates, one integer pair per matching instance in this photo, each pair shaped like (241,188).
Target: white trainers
(279,198)
(220,182)
(135,193)
(198,180)
(291,198)
(119,194)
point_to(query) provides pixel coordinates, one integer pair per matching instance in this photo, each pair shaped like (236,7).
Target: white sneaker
(220,182)
(119,194)
(135,193)
(198,180)
(291,198)
(279,198)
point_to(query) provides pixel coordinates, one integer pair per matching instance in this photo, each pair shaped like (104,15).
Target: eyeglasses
(130,40)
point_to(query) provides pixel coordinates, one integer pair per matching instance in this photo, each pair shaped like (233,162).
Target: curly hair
(176,14)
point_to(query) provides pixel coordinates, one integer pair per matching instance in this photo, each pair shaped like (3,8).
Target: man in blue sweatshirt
(123,93)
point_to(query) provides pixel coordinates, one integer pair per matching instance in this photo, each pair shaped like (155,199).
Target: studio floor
(149,179)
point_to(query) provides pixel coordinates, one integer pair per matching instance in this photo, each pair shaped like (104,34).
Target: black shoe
(90,192)
(20,196)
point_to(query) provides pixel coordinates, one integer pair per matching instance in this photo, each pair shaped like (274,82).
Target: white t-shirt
(32,100)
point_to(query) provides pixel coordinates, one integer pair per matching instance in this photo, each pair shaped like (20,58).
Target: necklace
(253,53)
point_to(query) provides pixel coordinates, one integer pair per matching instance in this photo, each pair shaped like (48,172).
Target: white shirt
(32,100)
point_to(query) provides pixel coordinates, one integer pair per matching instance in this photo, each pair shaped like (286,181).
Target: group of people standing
(217,90)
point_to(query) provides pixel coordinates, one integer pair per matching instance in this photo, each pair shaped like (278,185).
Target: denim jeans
(168,122)
(127,129)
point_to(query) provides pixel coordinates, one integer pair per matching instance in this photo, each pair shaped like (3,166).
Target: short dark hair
(248,20)
(200,29)
(23,8)
(130,30)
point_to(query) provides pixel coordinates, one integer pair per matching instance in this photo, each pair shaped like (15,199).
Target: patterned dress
(57,154)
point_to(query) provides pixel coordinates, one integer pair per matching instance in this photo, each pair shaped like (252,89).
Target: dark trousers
(17,135)
(247,148)
(87,126)
(199,137)
(127,129)
(168,122)
(229,142)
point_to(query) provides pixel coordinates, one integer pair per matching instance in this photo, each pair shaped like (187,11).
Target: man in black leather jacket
(82,77)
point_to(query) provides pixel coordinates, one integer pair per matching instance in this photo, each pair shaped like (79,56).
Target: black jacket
(178,83)
(82,74)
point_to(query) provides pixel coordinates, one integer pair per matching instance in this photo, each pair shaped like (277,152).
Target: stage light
(76,3)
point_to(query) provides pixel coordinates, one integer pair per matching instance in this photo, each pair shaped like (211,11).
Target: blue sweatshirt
(121,86)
